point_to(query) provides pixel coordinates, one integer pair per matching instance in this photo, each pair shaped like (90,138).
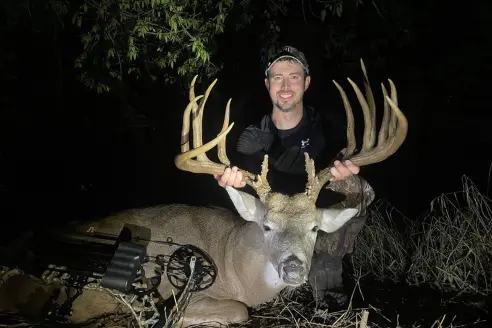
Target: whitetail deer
(271,246)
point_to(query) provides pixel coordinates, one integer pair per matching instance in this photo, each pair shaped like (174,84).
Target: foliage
(166,38)
(171,39)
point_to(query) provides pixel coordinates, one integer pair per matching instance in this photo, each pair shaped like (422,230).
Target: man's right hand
(231,177)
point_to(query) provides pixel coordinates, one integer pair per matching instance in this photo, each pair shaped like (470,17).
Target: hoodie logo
(304,143)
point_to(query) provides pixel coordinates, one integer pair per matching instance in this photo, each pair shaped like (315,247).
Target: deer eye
(266,228)
(315,229)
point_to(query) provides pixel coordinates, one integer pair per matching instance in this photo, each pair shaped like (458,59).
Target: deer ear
(249,207)
(333,219)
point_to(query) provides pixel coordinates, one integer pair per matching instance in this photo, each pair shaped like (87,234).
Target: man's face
(286,84)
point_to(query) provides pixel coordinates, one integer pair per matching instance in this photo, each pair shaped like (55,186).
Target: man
(290,130)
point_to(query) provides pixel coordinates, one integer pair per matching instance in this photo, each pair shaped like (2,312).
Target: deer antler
(393,132)
(185,160)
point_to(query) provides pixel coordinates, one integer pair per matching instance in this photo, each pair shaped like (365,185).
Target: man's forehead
(286,67)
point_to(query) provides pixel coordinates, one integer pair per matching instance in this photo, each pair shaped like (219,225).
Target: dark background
(67,153)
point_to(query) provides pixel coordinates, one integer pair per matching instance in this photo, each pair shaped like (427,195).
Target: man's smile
(286,96)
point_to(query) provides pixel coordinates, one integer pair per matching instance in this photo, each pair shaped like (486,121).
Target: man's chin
(285,108)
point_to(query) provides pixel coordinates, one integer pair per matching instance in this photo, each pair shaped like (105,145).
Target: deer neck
(250,266)
(272,278)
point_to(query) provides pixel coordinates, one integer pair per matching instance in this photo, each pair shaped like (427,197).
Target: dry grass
(380,248)
(453,248)
(295,310)
(298,309)
(450,248)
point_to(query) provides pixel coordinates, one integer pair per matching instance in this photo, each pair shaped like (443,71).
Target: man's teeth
(285,96)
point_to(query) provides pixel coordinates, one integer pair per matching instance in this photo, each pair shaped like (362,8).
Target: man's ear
(249,207)
(334,219)
(307,82)
(267,84)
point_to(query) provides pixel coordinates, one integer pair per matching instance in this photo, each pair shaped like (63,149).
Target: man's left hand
(343,170)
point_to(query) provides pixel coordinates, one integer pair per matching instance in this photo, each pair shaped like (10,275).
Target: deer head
(289,224)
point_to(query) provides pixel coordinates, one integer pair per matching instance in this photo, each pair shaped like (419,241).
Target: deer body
(253,265)
(235,245)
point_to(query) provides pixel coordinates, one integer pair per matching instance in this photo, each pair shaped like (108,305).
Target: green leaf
(169,37)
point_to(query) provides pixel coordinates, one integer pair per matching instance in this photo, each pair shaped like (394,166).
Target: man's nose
(285,84)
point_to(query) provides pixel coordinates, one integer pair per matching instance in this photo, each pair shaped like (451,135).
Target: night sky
(67,153)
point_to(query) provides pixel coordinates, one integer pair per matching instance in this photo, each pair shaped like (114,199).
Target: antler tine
(394,98)
(221,149)
(369,110)
(391,136)
(350,121)
(194,108)
(259,183)
(186,162)
(197,111)
(313,185)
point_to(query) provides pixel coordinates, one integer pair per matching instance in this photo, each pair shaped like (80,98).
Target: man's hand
(231,177)
(343,170)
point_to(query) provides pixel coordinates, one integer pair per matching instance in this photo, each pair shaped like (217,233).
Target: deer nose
(293,270)
(292,264)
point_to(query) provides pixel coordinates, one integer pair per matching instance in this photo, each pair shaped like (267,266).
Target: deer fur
(248,258)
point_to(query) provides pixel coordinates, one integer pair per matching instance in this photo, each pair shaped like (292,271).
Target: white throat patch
(272,278)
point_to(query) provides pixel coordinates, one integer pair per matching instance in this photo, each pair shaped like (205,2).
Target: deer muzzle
(292,271)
